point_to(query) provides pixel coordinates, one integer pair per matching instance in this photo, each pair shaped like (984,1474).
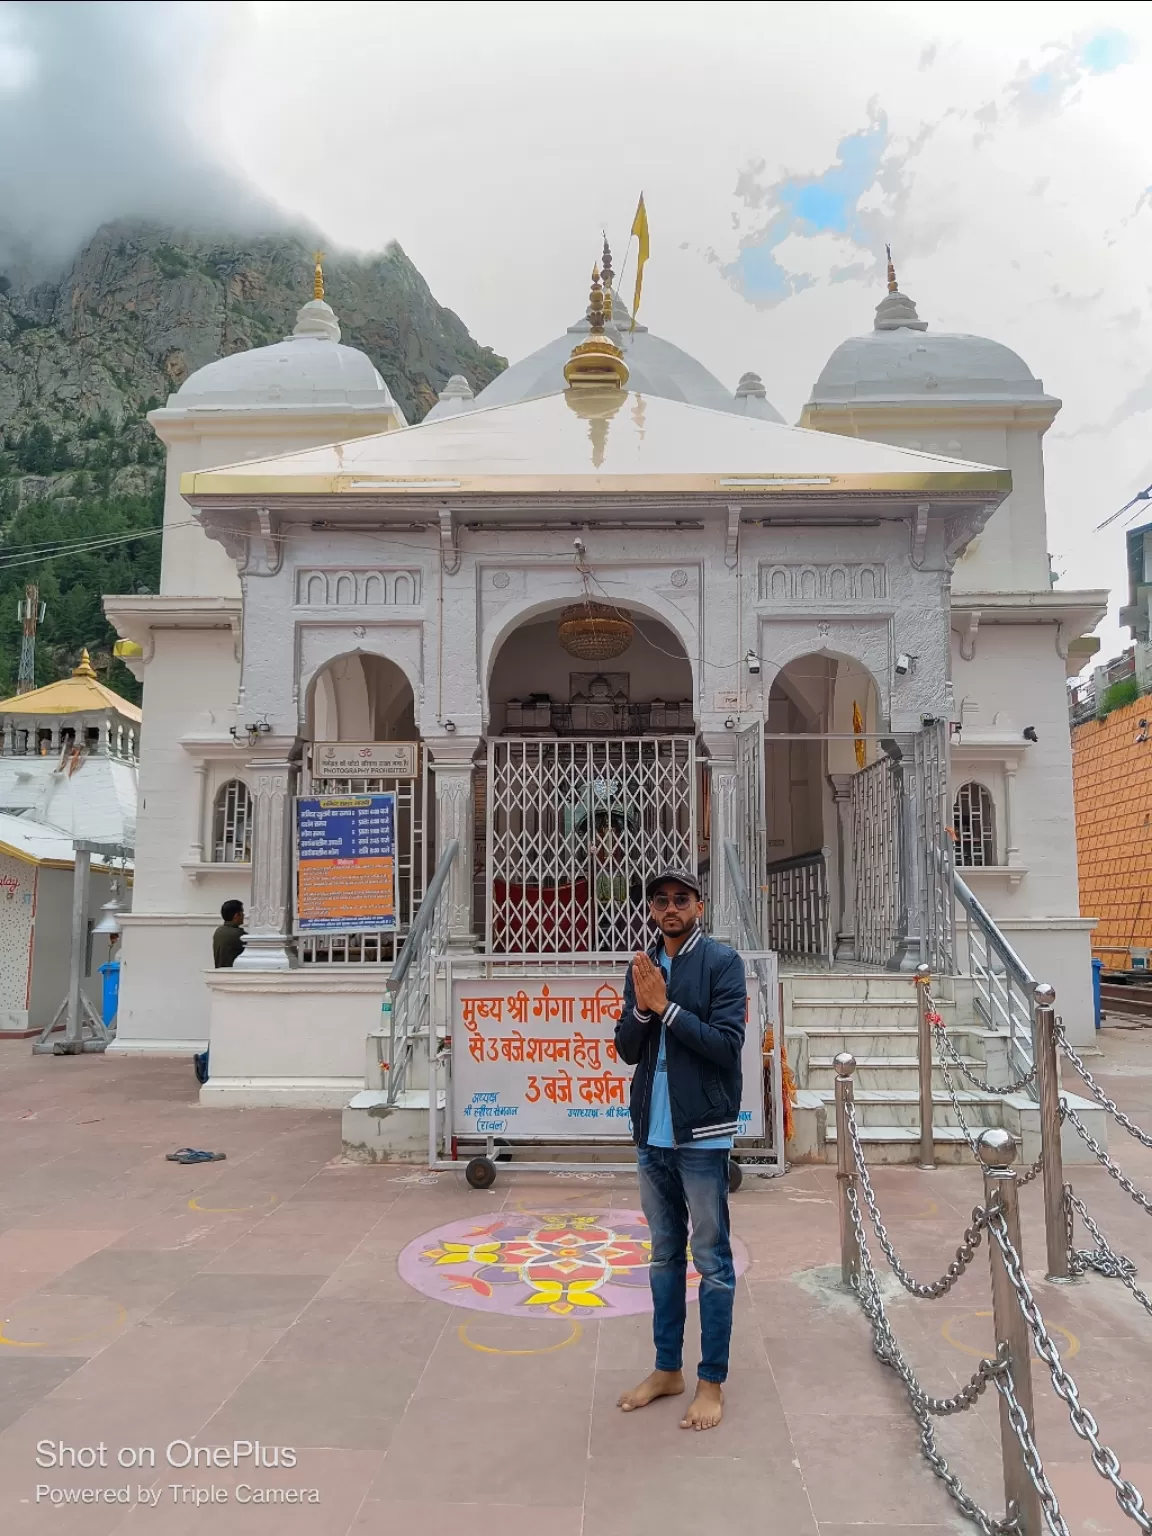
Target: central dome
(655,367)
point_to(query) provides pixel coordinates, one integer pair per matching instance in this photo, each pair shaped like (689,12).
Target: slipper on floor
(193,1155)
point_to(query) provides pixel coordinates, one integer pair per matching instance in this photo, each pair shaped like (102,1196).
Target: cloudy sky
(1002,149)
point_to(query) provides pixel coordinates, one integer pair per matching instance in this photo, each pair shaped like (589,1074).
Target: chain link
(924,1408)
(1104,1458)
(1114,1169)
(1018,1419)
(1094,1087)
(1103,1258)
(957,1060)
(965,1253)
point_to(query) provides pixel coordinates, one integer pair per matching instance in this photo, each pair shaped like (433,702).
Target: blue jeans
(678,1185)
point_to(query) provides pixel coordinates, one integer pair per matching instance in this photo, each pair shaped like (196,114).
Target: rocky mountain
(85,354)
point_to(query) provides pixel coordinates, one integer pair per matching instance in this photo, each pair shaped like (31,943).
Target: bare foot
(707,1408)
(659,1384)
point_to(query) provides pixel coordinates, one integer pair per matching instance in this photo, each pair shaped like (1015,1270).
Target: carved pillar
(723,918)
(452,768)
(270,780)
(909,951)
(844,918)
(196,846)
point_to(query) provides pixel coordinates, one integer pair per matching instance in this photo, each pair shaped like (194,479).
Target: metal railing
(1004,988)
(1031,1504)
(409,986)
(798,916)
(753,939)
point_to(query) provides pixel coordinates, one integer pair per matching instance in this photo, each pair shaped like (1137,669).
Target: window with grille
(973,821)
(232,830)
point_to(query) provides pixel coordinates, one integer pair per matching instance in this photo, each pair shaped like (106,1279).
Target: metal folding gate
(750,831)
(877,833)
(575,827)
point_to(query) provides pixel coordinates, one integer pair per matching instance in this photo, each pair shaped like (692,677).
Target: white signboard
(365,759)
(534,1057)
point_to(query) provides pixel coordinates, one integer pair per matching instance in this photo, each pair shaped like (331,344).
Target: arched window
(974,822)
(232,824)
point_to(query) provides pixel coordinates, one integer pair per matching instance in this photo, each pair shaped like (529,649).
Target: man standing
(228,939)
(682,1028)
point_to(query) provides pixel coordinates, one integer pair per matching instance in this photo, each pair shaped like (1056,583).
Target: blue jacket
(704,1023)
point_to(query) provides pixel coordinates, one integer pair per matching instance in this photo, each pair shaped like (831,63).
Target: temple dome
(308,368)
(655,367)
(901,360)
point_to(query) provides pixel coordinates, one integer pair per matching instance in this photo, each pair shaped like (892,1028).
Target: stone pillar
(909,952)
(844,918)
(452,768)
(723,917)
(1011,848)
(270,780)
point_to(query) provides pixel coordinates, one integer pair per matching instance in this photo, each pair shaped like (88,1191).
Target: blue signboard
(346,864)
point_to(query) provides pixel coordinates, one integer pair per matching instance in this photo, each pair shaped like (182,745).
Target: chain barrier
(1049,1503)
(1113,1168)
(924,1408)
(1103,1258)
(1095,1089)
(1104,1458)
(965,1253)
(958,1061)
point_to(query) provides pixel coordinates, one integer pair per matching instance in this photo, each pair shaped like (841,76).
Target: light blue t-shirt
(660,1133)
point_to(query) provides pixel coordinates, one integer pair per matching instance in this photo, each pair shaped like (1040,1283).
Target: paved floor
(259,1300)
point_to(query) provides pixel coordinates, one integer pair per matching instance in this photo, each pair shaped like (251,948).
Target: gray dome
(901,360)
(655,367)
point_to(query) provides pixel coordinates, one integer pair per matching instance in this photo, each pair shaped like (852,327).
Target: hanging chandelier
(595,631)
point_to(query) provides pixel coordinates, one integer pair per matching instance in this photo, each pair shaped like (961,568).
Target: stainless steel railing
(410,984)
(1004,988)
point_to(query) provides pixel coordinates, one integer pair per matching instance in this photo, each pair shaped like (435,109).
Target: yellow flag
(640,230)
(858,725)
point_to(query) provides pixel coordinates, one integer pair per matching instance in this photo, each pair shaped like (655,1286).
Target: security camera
(753,663)
(580,547)
(903,664)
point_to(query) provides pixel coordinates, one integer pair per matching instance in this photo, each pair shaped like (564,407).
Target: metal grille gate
(575,828)
(413,851)
(750,829)
(937,891)
(877,832)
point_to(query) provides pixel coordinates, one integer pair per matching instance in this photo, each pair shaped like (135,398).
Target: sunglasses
(681,900)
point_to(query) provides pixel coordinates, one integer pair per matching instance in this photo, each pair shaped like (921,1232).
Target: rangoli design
(543,1263)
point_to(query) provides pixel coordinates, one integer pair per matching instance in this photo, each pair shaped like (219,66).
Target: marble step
(897,1106)
(881,1072)
(857,1013)
(871,986)
(891,1040)
(901,1144)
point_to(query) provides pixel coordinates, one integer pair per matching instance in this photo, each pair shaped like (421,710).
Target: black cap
(681,876)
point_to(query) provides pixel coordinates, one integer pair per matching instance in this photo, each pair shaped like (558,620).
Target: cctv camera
(903,665)
(753,663)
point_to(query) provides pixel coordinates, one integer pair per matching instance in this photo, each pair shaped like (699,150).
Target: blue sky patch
(1106,51)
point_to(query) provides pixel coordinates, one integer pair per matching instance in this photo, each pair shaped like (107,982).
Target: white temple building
(627,617)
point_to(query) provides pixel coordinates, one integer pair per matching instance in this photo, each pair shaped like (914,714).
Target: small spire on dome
(606,269)
(318,275)
(751,384)
(85,669)
(896,311)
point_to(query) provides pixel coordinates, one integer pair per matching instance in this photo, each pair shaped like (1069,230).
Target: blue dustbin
(111,1002)
(1097,967)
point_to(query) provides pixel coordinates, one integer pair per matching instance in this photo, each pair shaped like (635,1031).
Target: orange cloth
(788,1077)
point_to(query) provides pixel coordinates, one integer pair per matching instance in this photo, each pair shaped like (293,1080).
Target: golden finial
(606,271)
(597,361)
(85,669)
(318,275)
(892,287)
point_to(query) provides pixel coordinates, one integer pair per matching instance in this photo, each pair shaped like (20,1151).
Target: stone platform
(435,1357)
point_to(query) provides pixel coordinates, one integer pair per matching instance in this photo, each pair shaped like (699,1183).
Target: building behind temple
(628,617)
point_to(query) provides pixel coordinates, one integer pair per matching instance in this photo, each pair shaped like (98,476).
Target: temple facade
(604,617)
